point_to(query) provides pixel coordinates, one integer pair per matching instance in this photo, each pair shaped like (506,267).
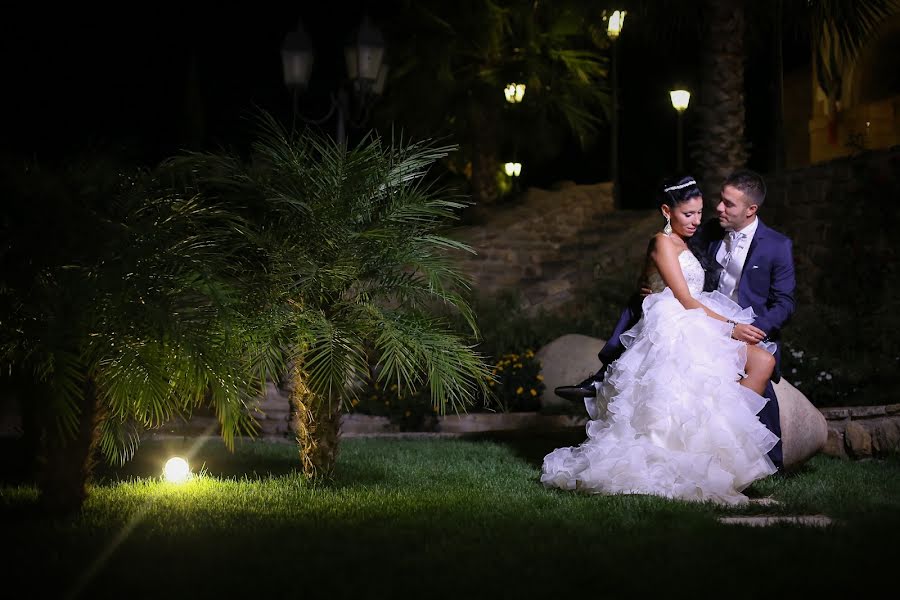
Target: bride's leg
(760,365)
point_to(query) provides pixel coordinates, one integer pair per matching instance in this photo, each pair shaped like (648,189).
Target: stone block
(885,435)
(857,412)
(835,413)
(858,440)
(834,445)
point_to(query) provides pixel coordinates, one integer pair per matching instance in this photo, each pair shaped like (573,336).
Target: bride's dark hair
(672,191)
(675,190)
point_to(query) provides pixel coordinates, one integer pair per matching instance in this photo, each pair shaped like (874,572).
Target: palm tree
(452,62)
(124,305)
(353,243)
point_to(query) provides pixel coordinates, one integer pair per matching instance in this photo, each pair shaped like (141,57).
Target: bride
(675,415)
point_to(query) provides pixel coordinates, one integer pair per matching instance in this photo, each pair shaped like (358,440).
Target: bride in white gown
(676,414)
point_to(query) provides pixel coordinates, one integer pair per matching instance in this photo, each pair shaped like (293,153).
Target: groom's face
(734,209)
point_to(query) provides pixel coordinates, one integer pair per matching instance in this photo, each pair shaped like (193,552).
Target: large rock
(804,431)
(567,360)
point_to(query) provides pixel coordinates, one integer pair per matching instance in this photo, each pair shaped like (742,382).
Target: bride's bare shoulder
(660,243)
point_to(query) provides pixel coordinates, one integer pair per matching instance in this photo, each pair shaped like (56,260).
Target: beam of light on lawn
(135,520)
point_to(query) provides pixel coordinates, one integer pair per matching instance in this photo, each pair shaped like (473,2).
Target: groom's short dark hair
(750,183)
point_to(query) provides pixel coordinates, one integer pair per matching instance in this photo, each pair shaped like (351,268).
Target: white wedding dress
(670,417)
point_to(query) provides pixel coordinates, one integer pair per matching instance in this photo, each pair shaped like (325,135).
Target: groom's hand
(748,333)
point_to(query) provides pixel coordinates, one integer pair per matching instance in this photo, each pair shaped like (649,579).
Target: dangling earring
(668,228)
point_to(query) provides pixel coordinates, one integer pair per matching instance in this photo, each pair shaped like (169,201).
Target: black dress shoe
(577,393)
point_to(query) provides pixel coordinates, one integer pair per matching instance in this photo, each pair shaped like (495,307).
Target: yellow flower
(491,383)
(520,390)
(518,365)
(533,392)
(394,386)
(407,413)
(354,402)
(540,377)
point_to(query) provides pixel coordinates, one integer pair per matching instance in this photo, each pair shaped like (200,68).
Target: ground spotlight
(177,470)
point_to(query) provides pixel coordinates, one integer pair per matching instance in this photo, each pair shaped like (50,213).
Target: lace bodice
(690,267)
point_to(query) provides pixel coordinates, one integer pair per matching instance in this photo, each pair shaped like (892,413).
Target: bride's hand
(748,333)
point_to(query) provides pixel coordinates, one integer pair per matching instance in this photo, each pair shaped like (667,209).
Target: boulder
(567,360)
(804,431)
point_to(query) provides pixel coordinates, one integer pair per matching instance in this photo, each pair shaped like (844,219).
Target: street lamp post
(613,28)
(680,100)
(366,75)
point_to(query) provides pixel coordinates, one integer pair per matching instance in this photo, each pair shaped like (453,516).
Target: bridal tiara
(680,186)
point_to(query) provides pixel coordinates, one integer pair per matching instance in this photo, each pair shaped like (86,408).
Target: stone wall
(553,243)
(854,432)
(837,213)
(862,431)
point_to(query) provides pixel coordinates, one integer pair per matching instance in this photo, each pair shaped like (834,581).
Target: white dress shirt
(733,265)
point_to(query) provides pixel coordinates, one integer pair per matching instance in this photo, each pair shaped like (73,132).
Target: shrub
(518,382)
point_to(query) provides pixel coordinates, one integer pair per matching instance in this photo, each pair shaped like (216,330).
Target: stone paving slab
(763,521)
(764,501)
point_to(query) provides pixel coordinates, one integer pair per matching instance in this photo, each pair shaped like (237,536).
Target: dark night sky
(78,76)
(75,78)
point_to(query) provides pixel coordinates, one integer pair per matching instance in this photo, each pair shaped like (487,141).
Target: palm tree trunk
(721,146)
(316,422)
(485,164)
(67,461)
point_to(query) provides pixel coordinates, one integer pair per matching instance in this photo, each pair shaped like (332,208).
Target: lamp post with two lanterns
(366,75)
(514,93)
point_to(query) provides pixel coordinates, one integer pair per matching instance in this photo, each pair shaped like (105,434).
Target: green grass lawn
(439,519)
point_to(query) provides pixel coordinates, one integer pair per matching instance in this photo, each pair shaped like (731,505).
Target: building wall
(867,114)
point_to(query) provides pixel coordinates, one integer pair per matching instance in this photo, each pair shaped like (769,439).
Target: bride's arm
(664,255)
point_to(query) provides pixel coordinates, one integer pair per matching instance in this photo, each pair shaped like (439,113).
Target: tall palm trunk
(721,146)
(316,422)
(66,461)
(485,164)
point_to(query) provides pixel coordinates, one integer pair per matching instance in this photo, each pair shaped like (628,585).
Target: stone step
(764,521)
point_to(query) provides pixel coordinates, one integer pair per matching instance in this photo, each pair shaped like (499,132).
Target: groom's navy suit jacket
(767,281)
(767,284)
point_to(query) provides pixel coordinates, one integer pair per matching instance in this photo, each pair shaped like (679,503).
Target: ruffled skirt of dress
(670,418)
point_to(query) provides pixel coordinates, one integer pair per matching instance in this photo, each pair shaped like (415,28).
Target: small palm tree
(354,247)
(124,305)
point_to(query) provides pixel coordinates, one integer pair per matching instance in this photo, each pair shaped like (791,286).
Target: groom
(752,264)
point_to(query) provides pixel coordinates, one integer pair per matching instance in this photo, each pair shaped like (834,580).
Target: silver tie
(732,268)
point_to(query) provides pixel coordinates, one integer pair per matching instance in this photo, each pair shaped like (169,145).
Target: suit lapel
(758,237)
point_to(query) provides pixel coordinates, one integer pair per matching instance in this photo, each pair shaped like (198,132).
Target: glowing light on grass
(177,470)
